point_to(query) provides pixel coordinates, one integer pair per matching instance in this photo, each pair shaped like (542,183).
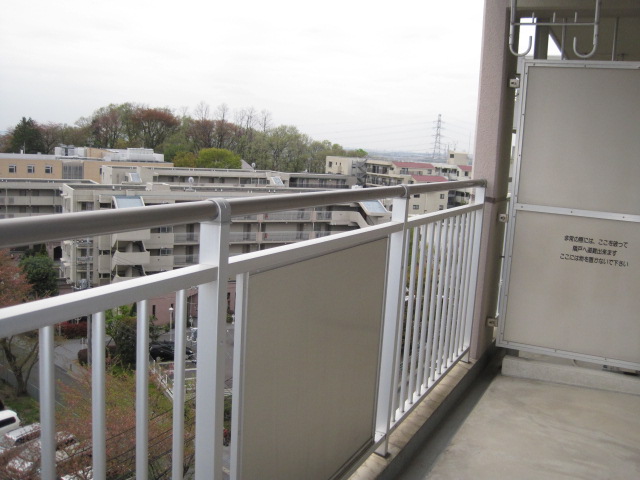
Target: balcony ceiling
(626,11)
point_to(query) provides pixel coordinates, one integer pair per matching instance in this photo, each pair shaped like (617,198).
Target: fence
(336,338)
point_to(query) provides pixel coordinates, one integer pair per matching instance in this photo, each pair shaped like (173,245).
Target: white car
(11,441)
(26,463)
(8,421)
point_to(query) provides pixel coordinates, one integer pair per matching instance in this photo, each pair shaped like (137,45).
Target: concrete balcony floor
(505,427)
(517,428)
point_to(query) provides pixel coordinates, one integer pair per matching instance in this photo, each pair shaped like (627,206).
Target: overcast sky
(363,74)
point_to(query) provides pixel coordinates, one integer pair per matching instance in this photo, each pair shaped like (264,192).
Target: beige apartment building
(74,163)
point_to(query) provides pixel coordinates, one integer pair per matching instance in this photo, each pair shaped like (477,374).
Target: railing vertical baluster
(406,361)
(418,356)
(434,308)
(466,274)
(142,391)
(427,325)
(440,314)
(391,331)
(47,403)
(453,275)
(179,350)
(413,359)
(98,397)
(212,312)
(445,295)
(453,346)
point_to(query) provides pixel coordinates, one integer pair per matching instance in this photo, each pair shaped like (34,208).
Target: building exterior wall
(15,165)
(112,258)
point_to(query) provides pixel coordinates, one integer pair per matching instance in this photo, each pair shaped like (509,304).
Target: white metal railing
(424,318)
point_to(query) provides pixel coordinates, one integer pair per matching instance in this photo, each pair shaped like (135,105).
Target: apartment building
(74,163)
(386,173)
(106,259)
(245,177)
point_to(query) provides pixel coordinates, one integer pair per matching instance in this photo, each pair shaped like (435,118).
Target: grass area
(26,407)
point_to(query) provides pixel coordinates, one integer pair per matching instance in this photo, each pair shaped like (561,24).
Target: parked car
(165,351)
(26,463)
(11,442)
(8,421)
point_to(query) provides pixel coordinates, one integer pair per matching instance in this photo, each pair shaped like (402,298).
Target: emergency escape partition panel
(572,266)
(309,366)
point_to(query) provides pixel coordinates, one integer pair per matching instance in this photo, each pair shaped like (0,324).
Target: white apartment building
(386,173)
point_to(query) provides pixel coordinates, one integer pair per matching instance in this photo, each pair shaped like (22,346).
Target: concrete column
(492,159)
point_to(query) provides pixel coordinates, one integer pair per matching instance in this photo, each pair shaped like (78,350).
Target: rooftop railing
(336,339)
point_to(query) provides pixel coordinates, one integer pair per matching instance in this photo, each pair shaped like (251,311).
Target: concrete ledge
(536,369)
(426,419)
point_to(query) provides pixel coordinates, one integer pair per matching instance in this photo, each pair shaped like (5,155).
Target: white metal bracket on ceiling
(533,21)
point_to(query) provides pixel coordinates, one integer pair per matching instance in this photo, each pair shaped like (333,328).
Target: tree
(74,416)
(14,286)
(27,137)
(121,327)
(41,274)
(107,126)
(217,158)
(200,132)
(154,125)
(185,159)
(51,136)
(19,351)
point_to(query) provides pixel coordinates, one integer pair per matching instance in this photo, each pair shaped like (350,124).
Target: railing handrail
(23,231)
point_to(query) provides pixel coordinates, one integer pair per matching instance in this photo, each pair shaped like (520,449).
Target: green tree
(217,158)
(20,352)
(185,159)
(41,274)
(121,327)
(26,136)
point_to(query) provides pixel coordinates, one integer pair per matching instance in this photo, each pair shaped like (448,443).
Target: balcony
(345,294)
(189,238)
(243,237)
(300,216)
(129,258)
(284,237)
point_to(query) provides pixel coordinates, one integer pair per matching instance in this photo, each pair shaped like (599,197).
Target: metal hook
(512,31)
(596,22)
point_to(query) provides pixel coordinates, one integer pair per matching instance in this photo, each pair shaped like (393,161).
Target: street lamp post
(170,323)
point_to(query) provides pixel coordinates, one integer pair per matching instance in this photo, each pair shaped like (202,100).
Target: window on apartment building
(48,169)
(166,251)
(57,209)
(416,207)
(13,168)
(31,169)
(451,155)
(441,207)
(417,195)
(330,164)
(442,196)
